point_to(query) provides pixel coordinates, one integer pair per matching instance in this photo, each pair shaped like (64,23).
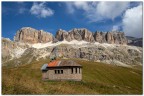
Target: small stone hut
(62,70)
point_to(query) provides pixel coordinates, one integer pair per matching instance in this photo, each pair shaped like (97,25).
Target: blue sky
(51,16)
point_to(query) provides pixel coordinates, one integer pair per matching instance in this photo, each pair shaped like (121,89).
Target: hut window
(58,71)
(61,71)
(71,70)
(79,70)
(55,71)
(76,70)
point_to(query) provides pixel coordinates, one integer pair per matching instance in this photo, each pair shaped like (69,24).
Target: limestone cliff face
(75,34)
(86,35)
(100,37)
(61,35)
(116,38)
(30,35)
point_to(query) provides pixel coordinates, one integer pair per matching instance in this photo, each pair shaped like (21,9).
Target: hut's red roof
(60,63)
(53,63)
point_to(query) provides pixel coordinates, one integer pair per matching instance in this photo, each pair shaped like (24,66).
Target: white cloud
(132,21)
(115,28)
(40,10)
(111,10)
(82,5)
(72,6)
(96,11)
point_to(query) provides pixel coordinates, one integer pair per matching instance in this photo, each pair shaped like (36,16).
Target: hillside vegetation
(98,78)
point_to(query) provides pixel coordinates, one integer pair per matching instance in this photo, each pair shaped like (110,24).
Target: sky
(52,16)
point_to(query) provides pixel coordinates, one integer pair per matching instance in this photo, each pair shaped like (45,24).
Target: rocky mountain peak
(113,37)
(31,35)
(75,34)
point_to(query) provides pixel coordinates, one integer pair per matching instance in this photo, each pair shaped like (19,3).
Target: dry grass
(98,78)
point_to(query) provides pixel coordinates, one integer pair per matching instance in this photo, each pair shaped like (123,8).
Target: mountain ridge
(31,35)
(76,43)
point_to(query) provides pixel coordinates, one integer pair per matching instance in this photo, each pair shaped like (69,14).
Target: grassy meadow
(98,78)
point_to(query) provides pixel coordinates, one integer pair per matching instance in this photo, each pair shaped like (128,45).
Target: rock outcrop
(30,35)
(116,54)
(11,50)
(62,35)
(75,34)
(86,35)
(116,38)
(100,37)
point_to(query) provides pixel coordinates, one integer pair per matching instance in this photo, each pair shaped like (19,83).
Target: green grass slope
(98,78)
